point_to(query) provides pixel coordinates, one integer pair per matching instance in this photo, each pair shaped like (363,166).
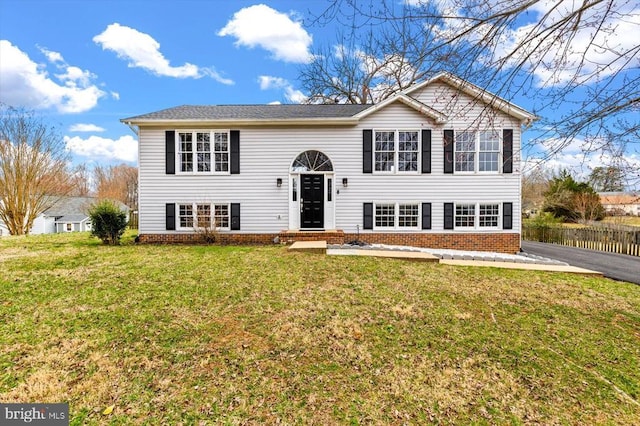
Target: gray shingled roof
(64,206)
(73,218)
(71,206)
(252,112)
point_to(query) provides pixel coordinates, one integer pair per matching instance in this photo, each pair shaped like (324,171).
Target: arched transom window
(312,161)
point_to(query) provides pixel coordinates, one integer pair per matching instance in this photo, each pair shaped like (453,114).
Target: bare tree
(558,54)
(535,183)
(33,163)
(607,179)
(80,181)
(587,207)
(117,183)
(371,63)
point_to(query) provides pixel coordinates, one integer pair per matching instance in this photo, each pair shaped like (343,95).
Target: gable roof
(477,92)
(422,108)
(74,206)
(64,206)
(314,114)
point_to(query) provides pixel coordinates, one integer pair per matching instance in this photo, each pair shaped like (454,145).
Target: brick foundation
(194,238)
(331,237)
(501,243)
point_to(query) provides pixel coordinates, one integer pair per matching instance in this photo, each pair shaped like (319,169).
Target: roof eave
(320,121)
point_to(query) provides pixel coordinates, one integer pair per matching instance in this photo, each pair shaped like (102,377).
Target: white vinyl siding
(267,153)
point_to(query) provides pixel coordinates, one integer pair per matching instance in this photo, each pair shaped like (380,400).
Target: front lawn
(254,335)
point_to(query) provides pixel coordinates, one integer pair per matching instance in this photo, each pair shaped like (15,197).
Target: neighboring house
(437,165)
(620,203)
(66,214)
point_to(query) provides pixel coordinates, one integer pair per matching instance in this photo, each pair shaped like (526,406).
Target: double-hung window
(477,151)
(477,215)
(396,215)
(408,146)
(396,151)
(203,215)
(195,152)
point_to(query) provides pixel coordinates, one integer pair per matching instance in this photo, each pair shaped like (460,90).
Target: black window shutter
(507,215)
(426,215)
(234,167)
(235,216)
(368,215)
(426,151)
(507,151)
(367,151)
(170,152)
(171,216)
(448,152)
(448,215)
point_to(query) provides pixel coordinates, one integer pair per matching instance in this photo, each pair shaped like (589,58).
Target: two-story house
(436,165)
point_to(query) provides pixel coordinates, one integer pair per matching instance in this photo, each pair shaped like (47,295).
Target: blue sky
(86,64)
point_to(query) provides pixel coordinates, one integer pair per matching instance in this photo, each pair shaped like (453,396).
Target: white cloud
(26,83)
(115,95)
(82,127)
(123,149)
(277,32)
(580,157)
(268,82)
(143,51)
(51,56)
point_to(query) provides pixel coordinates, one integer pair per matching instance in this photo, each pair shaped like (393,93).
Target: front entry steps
(318,247)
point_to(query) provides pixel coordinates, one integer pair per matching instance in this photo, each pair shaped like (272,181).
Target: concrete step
(319,247)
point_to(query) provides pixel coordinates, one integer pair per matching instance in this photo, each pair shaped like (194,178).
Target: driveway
(620,267)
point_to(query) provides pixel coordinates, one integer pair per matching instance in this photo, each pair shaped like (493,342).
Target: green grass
(623,220)
(252,335)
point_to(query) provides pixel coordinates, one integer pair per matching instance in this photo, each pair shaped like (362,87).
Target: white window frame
(197,161)
(396,151)
(477,151)
(477,216)
(396,215)
(213,209)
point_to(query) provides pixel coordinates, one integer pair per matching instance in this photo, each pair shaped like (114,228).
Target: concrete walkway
(405,255)
(524,266)
(320,247)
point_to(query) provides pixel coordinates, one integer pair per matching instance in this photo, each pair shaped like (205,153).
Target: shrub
(544,227)
(108,222)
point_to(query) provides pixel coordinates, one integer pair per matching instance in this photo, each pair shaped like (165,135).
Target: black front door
(312,201)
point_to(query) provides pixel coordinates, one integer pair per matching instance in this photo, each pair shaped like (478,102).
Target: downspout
(133,128)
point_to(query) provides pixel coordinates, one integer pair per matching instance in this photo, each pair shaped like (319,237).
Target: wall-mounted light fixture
(279,182)
(345,182)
